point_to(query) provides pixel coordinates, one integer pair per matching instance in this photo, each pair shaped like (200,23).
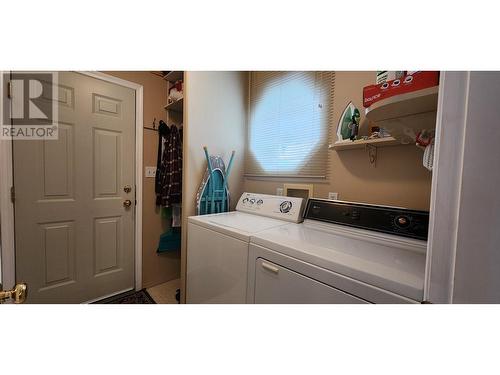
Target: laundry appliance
(217,245)
(343,252)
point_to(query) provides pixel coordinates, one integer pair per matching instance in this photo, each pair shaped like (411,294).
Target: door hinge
(12,194)
(9,90)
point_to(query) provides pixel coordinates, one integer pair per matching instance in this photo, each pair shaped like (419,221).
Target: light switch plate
(150,172)
(333,196)
(279,191)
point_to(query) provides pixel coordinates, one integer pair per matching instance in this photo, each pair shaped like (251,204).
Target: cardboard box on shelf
(411,82)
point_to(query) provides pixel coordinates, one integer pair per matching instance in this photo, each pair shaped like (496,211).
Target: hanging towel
(169,188)
(176,215)
(169,241)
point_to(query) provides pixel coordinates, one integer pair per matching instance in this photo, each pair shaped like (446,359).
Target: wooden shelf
(377,142)
(410,104)
(174,76)
(175,106)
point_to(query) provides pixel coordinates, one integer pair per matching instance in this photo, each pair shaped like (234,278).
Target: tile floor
(165,293)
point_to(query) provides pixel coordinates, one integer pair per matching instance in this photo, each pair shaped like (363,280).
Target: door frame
(7,207)
(446,186)
(7,250)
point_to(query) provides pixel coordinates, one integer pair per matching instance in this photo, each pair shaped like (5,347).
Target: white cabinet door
(277,284)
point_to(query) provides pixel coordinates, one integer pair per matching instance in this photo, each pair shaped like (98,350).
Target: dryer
(344,252)
(217,245)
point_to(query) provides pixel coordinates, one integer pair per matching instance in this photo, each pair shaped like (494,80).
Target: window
(290,114)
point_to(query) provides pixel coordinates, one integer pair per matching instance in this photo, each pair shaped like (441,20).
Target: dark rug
(132,297)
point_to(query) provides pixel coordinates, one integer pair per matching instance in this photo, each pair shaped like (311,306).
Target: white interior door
(74,235)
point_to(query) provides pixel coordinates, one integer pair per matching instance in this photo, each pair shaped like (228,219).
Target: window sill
(289,178)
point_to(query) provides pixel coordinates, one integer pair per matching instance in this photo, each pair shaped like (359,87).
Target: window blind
(289,124)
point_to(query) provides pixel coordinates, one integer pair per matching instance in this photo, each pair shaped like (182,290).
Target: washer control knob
(402,221)
(285,207)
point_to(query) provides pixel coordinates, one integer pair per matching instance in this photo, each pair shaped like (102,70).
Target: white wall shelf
(404,116)
(361,143)
(174,76)
(409,104)
(175,106)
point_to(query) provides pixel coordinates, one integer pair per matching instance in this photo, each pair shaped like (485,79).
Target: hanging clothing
(163,134)
(169,173)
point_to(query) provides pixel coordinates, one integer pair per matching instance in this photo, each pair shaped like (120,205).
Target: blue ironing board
(213,194)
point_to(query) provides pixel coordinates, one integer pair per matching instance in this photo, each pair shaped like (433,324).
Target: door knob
(127,203)
(18,294)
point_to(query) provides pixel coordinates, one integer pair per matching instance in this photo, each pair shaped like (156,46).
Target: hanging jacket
(169,183)
(163,137)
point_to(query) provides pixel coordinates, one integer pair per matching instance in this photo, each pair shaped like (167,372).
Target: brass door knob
(127,203)
(18,294)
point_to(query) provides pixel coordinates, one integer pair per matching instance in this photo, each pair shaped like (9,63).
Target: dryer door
(277,284)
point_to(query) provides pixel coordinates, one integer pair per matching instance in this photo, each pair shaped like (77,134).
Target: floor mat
(132,297)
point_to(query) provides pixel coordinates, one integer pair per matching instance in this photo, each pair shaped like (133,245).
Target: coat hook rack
(153,127)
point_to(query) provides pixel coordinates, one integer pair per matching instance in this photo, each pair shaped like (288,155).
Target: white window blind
(289,124)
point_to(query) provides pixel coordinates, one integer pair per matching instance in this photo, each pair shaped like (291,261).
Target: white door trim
(7,208)
(446,186)
(8,270)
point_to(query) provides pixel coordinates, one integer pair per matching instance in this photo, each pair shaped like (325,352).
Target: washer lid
(388,262)
(236,224)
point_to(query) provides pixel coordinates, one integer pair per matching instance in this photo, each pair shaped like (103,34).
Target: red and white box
(409,83)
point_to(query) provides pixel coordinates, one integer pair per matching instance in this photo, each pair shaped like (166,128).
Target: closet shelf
(174,76)
(176,106)
(361,143)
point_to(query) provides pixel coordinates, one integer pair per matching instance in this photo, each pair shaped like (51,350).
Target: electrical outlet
(333,196)
(279,191)
(150,172)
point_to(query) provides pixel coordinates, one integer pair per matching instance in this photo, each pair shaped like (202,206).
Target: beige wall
(398,178)
(214,116)
(156,268)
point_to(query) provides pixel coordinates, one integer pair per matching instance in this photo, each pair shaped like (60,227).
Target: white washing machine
(344,252)
(217,245)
